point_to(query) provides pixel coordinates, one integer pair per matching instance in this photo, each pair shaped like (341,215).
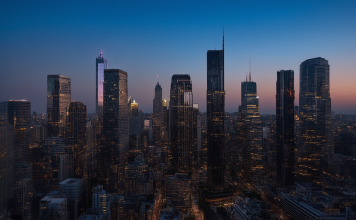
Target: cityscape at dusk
(178,110)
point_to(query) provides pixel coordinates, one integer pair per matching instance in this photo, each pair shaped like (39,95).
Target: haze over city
(147,39)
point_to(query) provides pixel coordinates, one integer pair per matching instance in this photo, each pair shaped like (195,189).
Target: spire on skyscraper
(223,47)
(101,52)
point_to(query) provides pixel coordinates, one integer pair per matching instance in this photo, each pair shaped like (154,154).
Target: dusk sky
(150,38)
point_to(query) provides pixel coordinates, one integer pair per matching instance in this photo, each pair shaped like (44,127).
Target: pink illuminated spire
(101,52)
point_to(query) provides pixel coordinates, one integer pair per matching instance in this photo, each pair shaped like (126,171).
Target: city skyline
(249,32)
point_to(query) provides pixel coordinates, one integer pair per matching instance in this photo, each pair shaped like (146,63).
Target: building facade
(58,101)
(181,123)
(285,128)
(101,65)
(215,118)
(316,140)
(112,152)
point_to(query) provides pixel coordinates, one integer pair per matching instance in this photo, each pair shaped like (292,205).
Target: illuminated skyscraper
(101,65)
(181,123)
(215,118)
(75,134)
(112,152)
(250,133)
(58,101)
(315,119)
(285,127)
(157,115)
(19,116)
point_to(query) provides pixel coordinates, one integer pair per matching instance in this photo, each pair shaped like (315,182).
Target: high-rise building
(215,118)
(285,128)
(19,116)
(101,65)
(157,115)
(250,133)
(316,140)
(75,135)
(58,101)
(181,123)
(112,152)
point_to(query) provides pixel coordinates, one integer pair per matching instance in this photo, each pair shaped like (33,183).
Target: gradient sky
(150,38)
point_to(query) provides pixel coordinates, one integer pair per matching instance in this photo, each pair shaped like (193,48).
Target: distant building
(250,133)
(52,207)
(181,123)
(58,101)
(113,151)
(179,190)
(101,65)
(157,115)
(75,135)
(316,140)
(285,146)
(215,118)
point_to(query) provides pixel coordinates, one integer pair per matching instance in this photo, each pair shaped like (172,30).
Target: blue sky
(150,38)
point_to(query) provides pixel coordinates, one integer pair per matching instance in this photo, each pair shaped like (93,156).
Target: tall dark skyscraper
(315,119)
(285,128)
(112,152)
(157,115)
(181,123)
(101,65)
(58,101)
(19,116)
(215,118)
(250,133)
(75,134)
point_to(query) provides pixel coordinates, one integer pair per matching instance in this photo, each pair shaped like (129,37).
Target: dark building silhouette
(75,135)
(285,128)
(58,100)
(345,144)
(181,123)
(101,65)
(250,133)
(157,115)
(316,140)
(215,118)
(19,117)
(112,152)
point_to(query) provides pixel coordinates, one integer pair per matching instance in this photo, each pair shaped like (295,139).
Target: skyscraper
(285,127)
(75,134)
(315,119)
(19,116)
(157,114)
(250,133)
(112,152)
(215,118)
(58,100)
(181,123)
(101,65)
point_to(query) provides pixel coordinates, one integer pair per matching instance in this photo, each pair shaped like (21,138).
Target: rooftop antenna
(101,52)
(249,76)
(157,80)
(223,47)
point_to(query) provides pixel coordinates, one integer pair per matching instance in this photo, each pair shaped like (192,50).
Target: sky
(150,38)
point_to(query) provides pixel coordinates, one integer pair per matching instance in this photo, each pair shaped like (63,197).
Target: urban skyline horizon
(154,39)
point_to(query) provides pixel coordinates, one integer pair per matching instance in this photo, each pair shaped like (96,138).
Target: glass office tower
(101,65)
(58,101)
(112,152)
(285,128)
(157,115)
(215,118)
(316,141)
(249,129)
(181,123)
